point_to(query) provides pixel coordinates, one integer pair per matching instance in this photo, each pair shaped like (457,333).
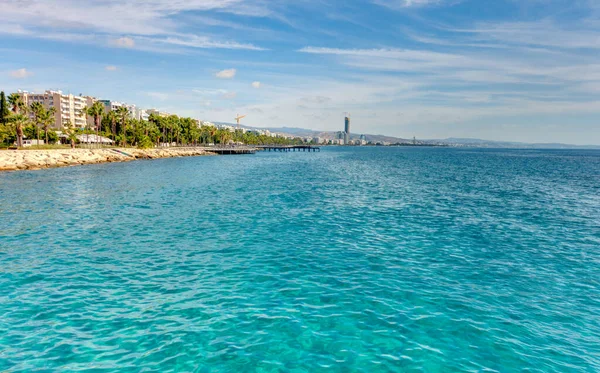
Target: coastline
(15,160)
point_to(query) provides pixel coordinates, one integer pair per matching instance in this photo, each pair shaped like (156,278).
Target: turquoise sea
(347,260)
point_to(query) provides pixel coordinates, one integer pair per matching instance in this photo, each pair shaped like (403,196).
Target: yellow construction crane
(237,119)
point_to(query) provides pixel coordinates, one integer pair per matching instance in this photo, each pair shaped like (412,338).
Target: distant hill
(512,144)
(452,141)
(330,135)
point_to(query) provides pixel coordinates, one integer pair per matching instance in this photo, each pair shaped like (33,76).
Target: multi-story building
(110,105)
(229,128)
(347,130)
(157,112)
(143,114)
(69,109)
(133,111)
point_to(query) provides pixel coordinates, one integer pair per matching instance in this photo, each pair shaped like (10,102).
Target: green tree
(29,130)
(6,133)
(123,114)
(37,109)
(19,117)
(17,103)
(111,116)
(20,121)
(42,118)
(4,110)
(212,132)
(71,134)
(47,119)
(96,111)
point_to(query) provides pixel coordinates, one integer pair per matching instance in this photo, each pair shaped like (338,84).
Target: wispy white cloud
(21,73)
(545,33)
(123,42)
(525,67)
(226,74)
(230,95)
(110,68)
(91,20)
(158,95)
(209,92)
(401,4)
(256,84)
(194,41)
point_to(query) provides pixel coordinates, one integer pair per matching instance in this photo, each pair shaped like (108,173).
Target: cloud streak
(226,74)
(156,21)
(20,73)
(123,42)
(403,4)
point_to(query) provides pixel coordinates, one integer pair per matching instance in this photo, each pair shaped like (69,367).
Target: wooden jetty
(252,149)
(289,148)
(231,150)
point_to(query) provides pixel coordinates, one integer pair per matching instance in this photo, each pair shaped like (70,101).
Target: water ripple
(363,260)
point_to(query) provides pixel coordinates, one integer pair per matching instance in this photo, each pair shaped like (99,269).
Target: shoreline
(16,160)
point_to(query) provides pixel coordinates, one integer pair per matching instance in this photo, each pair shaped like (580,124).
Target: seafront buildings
(134,111)
(69,109)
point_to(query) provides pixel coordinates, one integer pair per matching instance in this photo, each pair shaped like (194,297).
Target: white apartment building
(229,128)
(69,109)
(134,112)
(157,112)
(143,114)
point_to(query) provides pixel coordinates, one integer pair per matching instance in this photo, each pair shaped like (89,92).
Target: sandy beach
(12,160)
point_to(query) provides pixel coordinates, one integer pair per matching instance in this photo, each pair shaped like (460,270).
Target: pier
(288,148)
(231,150)
(251,149)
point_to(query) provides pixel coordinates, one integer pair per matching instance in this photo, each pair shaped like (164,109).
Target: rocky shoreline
(13,160)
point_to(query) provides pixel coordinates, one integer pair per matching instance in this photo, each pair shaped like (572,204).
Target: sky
(511,70)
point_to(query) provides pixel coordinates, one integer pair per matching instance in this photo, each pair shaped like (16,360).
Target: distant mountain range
(452,141)
(512,144)
(330,135)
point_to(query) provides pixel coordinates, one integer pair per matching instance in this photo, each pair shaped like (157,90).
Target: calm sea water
(366,260)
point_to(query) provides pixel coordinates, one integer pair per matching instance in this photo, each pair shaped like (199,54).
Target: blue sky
(523,70)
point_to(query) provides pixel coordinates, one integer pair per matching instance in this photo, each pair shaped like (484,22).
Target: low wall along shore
(12,160)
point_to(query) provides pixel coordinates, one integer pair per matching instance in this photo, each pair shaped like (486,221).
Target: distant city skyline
(499,70)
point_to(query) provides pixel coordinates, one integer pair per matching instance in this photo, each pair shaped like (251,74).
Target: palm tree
(20,121)
(96,111)
(112,118)
(123,113)
(38,111)
(46,119)
(213,132)
(71,134)
(17,103)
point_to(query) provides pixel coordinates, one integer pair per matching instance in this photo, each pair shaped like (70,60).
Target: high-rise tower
(347,130)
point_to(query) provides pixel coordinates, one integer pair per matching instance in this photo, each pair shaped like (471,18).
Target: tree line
(19,121)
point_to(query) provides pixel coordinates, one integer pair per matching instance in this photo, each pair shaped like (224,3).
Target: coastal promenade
(25,159)
(13,160)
